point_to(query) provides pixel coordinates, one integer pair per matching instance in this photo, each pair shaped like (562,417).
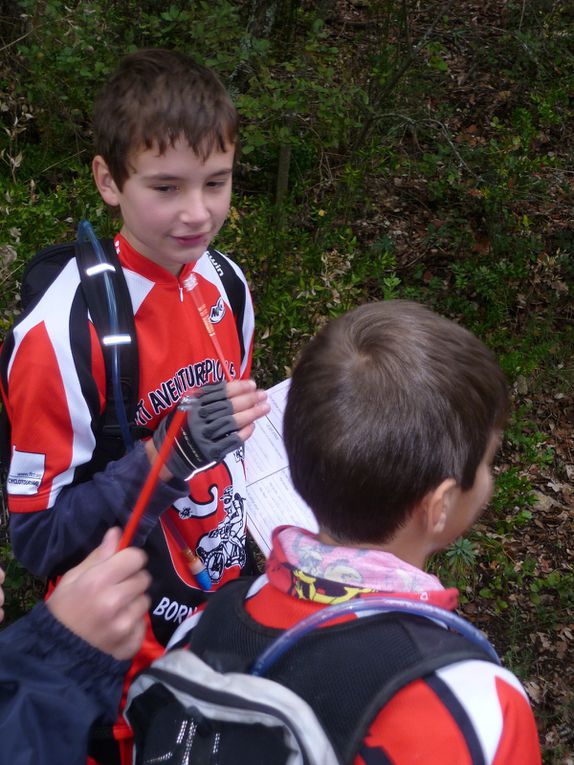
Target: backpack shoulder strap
(359,664)
(100,294)
(41,271)
(5,432)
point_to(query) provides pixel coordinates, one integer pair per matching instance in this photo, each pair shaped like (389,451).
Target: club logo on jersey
(188,508)
(217,311)
(224,546)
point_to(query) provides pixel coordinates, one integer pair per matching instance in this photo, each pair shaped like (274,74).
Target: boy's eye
(164,189)
(215,184)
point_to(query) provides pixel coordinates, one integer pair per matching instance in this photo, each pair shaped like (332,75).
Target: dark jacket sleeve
(50,542)
(53,687)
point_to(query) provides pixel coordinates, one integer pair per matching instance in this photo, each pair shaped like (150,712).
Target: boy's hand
(103,599)
(219,419)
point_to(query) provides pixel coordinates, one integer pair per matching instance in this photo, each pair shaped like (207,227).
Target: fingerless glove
(208,434)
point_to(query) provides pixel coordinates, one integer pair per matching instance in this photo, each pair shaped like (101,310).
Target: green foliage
(512,500)
(525,439)
(299,278)
(556,583)
(456,566)
(21,590)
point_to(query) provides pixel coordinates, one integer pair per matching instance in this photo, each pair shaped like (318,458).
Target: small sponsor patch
(26,472)
(217,312)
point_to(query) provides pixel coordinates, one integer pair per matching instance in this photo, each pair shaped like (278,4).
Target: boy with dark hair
(393,418)
(165,133)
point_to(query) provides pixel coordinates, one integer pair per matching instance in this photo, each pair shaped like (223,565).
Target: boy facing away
(393,418)
(165,133)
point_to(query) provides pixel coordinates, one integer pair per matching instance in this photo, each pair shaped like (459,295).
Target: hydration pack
(244,693)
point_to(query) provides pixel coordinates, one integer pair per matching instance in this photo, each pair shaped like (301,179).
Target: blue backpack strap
(359,664)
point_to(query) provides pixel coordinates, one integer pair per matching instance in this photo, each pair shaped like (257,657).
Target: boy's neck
(175,271)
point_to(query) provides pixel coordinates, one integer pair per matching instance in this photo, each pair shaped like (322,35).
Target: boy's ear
(438,505)
(104,182)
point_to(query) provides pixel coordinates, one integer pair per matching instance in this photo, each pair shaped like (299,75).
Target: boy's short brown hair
(155,97)
(385,403)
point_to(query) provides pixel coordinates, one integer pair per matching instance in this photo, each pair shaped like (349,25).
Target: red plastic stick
(151,480)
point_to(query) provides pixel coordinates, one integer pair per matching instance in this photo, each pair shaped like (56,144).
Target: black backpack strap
(5,425)
(359,664)
(235,289)
(98,292)
(240,647)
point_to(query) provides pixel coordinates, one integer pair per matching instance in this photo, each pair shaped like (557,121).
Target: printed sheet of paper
(272,501)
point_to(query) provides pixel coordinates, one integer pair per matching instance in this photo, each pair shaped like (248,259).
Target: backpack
(109,303)
(244,693)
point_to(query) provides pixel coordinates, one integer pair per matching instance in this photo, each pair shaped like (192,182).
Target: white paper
(271,499)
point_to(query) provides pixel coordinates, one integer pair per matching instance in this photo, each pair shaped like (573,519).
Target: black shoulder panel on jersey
(235,289)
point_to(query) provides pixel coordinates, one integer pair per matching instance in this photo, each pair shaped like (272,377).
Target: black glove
(209,433)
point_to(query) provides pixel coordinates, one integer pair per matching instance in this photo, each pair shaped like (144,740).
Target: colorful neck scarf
(304,567)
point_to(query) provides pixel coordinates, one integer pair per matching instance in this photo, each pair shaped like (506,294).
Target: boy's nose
(194,210)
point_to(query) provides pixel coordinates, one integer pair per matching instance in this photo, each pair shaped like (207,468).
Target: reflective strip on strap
(116,339)
(99,268)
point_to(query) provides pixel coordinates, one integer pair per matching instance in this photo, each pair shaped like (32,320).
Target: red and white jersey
(54,384)
(470,713)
